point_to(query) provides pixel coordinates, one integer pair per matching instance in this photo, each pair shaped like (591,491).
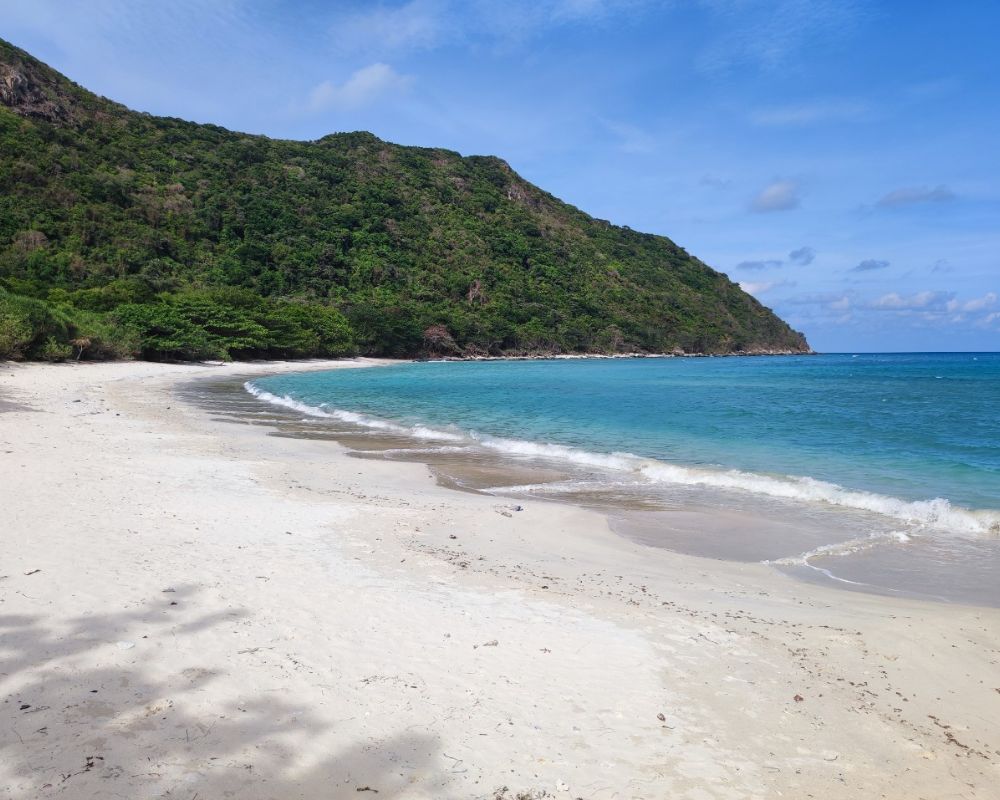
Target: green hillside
(141,235)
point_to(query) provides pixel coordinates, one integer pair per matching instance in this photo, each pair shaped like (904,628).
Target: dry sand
(193,609)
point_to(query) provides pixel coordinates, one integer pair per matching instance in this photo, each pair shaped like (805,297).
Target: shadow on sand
(113,729)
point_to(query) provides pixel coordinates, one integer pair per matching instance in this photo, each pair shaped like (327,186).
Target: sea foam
(847,548)
(363,420)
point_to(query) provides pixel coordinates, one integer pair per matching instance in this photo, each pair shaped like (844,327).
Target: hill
(130,234)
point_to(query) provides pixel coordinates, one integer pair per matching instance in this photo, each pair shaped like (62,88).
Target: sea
(875,472)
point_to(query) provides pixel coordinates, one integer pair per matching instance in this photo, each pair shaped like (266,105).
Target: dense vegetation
(130,234)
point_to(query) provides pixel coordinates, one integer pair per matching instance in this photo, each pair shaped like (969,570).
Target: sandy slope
(193,609)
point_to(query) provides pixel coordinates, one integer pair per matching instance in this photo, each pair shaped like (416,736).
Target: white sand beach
(191,609)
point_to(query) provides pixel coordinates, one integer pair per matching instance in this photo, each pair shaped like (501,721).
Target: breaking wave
(416,431)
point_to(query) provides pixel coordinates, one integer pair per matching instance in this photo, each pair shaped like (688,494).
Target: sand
(194,609)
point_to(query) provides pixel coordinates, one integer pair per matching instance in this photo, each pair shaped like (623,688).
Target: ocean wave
(430,451)
(936,513)
(557,452)
(415,431)
(569,486)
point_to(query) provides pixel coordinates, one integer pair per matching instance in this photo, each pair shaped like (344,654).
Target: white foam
(936,513)
(407,451)
(847,548)
(415,431)
(552,487)
(559,452)
(843,549)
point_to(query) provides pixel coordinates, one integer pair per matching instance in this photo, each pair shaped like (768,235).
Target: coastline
(542,356)
(347,622)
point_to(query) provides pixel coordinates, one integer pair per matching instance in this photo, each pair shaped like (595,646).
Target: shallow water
(874,473)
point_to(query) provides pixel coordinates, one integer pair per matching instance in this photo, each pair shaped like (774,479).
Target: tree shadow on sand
(121,726)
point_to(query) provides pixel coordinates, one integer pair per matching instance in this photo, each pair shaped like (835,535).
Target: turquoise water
(905,445)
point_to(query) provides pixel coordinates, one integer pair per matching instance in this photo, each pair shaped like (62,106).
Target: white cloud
(815,298)
(361,88)
(988,300)
(761,287)
(914,195)
(779,196)
(921,301)
(923,310)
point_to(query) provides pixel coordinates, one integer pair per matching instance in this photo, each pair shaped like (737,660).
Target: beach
(196,609)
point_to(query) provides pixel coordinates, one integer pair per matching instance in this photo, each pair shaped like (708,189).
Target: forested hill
(131,234)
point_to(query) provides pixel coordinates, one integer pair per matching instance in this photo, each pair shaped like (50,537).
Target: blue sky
(837,157)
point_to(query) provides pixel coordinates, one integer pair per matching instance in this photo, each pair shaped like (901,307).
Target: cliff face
(105,206)
(31,90)
(24,98)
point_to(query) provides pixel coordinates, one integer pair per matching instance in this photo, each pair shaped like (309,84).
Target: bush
(15,332)
(228,324)
(165,334)
(27,325)
(300,330)
(52,350)
(109,340)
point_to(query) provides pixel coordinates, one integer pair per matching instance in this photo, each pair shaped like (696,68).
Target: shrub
(15,333)
(27,325)
(52,350)
(165,334)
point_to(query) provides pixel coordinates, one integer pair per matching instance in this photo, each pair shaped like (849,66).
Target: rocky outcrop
(21,92)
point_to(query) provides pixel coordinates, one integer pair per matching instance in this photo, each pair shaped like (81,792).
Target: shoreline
(348,623)
(637,354)
(862,538)
(532,356)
